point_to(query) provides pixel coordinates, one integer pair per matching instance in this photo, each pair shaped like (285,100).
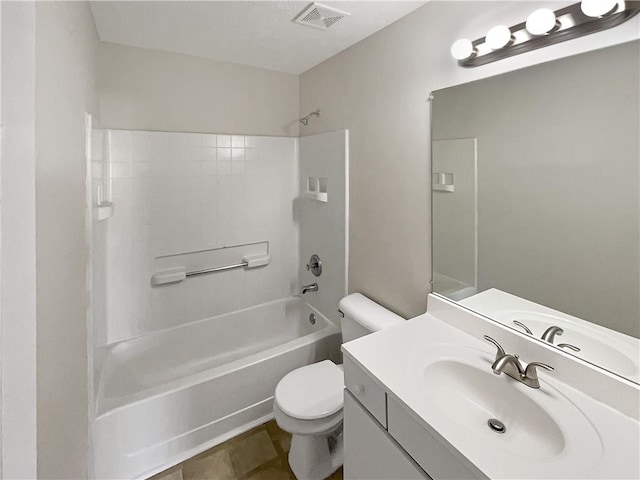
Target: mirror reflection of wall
(558,157)
(455,195)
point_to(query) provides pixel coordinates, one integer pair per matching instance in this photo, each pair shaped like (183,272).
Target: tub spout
(312,287)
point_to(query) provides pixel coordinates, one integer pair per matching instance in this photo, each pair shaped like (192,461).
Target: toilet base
(316,457)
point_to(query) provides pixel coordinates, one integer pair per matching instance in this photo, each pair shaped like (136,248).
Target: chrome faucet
(510,365)
(312,287)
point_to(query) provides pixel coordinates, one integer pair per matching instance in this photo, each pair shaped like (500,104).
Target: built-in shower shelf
(318,196)
(442,182)
(105,211)
(316,189)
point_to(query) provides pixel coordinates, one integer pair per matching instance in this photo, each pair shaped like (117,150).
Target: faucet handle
(500,351)
(532,373)
(568,346)
(523,326)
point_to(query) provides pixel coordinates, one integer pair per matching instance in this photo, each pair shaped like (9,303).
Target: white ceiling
(255,33)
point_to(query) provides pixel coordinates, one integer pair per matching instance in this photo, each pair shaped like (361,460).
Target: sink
(471,397)
(582,423)
(460,394)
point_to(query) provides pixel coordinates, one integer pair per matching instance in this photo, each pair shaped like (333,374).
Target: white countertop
(393,357)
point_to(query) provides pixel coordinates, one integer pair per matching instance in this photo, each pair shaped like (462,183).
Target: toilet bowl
(314,418)
(308,401)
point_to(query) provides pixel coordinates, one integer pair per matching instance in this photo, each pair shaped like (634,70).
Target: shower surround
(176,193)
(178,368)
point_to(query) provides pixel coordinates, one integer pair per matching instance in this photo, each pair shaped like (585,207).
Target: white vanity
(422,401)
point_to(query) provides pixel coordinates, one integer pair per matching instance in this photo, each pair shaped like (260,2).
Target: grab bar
(178,274)
(217,269)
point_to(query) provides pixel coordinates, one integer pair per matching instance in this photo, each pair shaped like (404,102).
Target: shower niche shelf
(442,182)
(105,211)
(316,189)
(104,207)
(318,196)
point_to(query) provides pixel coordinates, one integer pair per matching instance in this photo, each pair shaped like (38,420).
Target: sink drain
(312,319)
(496,425)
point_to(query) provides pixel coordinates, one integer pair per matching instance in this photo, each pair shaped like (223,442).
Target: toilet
(308,401)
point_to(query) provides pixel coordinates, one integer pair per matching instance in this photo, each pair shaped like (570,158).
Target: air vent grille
(320,16)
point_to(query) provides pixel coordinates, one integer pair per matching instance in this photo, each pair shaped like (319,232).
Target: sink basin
(470,397)
(541,426)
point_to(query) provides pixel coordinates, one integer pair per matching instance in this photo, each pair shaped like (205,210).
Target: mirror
(536,202)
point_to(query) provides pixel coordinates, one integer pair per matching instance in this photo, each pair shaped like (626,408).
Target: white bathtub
(169,395)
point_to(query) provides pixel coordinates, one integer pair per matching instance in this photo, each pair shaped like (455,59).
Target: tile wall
(181,192)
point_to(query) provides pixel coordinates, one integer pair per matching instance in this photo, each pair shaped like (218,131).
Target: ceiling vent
(320,16)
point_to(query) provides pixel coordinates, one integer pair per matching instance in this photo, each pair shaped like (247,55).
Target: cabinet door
(430,453)
(369,452)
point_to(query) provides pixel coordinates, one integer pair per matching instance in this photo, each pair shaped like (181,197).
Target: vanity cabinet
(369,451)
(427,450)
(382,441)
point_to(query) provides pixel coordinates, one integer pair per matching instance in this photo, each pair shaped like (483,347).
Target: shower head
(305,120)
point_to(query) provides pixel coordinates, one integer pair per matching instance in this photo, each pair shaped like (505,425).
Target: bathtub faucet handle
(315,265)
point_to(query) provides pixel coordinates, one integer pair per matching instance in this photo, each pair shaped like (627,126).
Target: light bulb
(498,37)
(598,8)
(462,49)
(541,22)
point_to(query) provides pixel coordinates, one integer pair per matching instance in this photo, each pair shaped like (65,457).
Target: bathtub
(166,396)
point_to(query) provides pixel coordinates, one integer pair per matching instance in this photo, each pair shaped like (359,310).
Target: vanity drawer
(366,391)
(433,456)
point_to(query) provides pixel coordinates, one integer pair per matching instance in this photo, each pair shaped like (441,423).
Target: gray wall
(66,43)
(144,89)
(378,89)
(18,259)
(558,169)
(454,217)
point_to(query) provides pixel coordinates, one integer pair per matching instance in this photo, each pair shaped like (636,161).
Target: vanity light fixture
(498,37)
(541,22)
(462,49)
(542,28)
(598,8)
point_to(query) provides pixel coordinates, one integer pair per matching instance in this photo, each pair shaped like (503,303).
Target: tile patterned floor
(259,454)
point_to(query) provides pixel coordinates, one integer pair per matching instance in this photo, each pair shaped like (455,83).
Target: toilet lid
(311,392)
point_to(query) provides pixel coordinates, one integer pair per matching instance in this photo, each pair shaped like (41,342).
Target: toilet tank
(362,316)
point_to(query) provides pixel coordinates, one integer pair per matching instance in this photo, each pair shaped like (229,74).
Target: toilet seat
(322,384)
(319,427)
